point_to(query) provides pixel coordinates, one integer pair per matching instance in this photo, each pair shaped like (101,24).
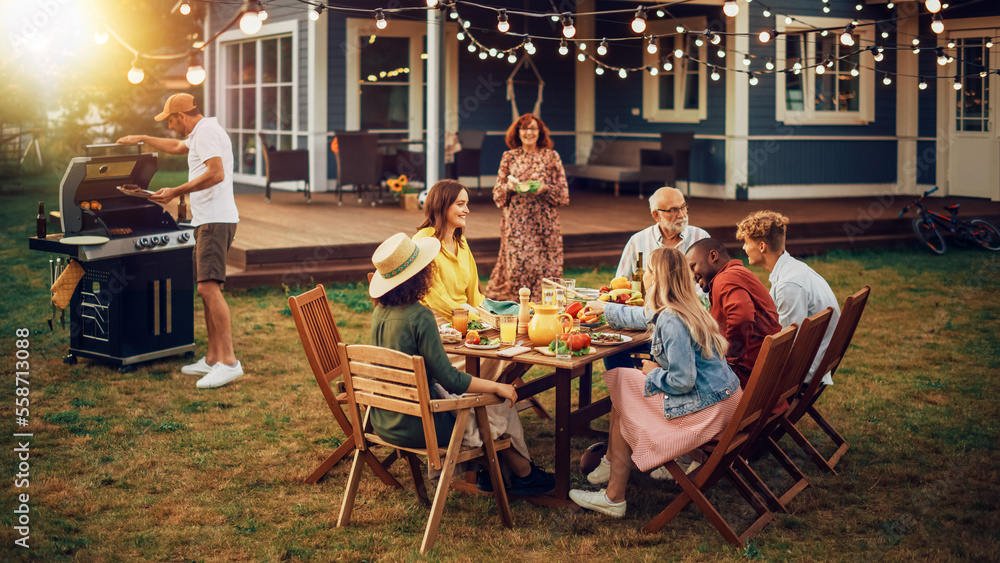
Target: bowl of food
(530,186)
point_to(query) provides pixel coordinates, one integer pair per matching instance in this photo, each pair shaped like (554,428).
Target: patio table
(568,420)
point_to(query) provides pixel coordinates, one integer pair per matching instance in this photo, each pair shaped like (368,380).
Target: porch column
(737,105)
(907,69)
(316,96)
(434,139)
(584,101)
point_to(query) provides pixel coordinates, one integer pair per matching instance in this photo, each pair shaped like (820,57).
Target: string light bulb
(721,53)
(101,36)
(746,61)
(599,70)
(493,51)
(922,84)
(858,7)
(680,29)
(769,65)
(529,47)
(568,30)
(432,3)
(136,74)
(937,24)
(731,8)
(942,58)
(847,38)
(380,19)
(933,6)
(185,8)
(639,22)
(653,71)
(262,14)
(482,55)
(250,20)
(581,57)
(753,79)
(196,71)
(679,53)
(472,47)
(511,58)
(788,20)
(715,74)
(989,44)
(958,82)
(715,38)
(602,49)
(887,80)
(699,42)
(660,13)
(667,65)
(767,35)
(453,14)
(503,26)
(890,6)
(767,12)
(651,47)
(855,72)
(821,69)
(460,35)
(983,73)
(563,48)
(622,73)
(315,14)
(879,54)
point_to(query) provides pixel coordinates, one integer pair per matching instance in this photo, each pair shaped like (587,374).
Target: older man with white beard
(671,229)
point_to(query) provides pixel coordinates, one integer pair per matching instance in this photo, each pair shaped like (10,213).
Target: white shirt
(799,292)
(216,204)
(648,240)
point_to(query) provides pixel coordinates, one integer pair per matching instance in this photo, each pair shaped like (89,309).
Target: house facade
(881,117)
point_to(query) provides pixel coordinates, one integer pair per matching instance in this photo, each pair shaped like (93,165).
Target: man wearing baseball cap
(214,216)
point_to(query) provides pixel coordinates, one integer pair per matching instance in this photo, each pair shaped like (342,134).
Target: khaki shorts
(212,244)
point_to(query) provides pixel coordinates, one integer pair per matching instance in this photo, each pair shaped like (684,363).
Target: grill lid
(90,203)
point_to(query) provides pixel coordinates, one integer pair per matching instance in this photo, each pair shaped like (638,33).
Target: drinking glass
(563,353)
(508,329)
(460,320)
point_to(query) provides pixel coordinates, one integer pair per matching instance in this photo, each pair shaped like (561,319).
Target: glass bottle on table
(637,276)
(41,227)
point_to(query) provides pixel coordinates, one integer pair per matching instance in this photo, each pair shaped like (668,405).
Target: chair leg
(353,480)
(806,445)
(835,436)
(493,463)
(418,478)
(698,498)
(763,514)
(444,482)
(793,471)
(332,460)
(380,471)
(536,406)
(755,480)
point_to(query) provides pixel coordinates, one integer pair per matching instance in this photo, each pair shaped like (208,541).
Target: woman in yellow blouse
(456,277)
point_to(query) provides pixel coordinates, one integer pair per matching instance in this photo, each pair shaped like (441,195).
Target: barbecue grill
(135,302)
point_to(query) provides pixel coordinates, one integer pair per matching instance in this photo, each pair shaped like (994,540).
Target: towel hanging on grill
(62,290)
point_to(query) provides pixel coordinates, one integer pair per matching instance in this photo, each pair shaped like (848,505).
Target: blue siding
(336,69)
(927,110)
(794,161)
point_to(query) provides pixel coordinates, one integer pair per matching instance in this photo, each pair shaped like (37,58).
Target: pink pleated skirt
(654,439)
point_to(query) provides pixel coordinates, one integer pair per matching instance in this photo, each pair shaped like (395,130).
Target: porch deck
(291,242)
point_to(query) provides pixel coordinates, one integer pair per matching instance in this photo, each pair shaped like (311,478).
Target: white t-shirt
(216,204)
(648,240)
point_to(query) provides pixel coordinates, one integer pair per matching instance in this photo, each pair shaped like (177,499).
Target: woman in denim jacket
(673,405)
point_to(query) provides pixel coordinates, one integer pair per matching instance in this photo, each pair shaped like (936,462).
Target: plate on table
(84,239)
(592,325)
(477,326)
(493,346)
(611,339)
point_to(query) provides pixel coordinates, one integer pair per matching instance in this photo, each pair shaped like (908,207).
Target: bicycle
(928,225)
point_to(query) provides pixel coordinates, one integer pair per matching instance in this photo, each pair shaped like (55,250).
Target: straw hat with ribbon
(398,259)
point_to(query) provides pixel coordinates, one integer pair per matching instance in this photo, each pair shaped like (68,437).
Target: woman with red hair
(530,231)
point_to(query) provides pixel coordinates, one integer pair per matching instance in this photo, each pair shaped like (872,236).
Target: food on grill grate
(120,231)
(85,204)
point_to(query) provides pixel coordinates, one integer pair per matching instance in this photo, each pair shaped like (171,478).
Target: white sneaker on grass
(201,367)
(601,474)
(219,375)
(598,502)
(661,473)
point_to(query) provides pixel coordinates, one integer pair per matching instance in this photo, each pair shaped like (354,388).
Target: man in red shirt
(740,303)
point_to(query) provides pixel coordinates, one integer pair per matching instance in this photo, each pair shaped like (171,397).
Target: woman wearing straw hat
(404,275)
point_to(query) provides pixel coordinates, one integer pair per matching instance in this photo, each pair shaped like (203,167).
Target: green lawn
(144,466)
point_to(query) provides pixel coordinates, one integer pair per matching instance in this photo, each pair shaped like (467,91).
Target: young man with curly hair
(798,291)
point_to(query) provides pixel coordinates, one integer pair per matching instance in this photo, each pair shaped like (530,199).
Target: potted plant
(404,192)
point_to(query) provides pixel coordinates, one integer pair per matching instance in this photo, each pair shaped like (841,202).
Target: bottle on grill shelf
(637,276)
(40,224)
(182,210)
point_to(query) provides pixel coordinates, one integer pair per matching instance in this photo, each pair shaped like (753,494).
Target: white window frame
(864,35)
(268,30)
(651,110)
(415,31)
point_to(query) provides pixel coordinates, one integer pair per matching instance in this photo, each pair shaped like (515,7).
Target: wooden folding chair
(805,403)
(752,411)
(393,381)
(320,336)
(807,342)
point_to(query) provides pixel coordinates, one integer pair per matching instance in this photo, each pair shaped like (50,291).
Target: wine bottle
(40,223)
(637,276)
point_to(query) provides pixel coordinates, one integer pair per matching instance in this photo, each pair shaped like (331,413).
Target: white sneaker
(601,474)
(219,375)
(598,501)
(201,367)
(661,473)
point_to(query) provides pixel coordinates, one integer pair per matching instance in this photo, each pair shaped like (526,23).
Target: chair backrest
(850,315)
(359,161)
(389,380)
(471,139)
(284,166)
(320,337)
(411,163)
(756,402)
(807,342)
(678,145)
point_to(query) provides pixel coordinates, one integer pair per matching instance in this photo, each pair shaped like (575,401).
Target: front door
(974,148)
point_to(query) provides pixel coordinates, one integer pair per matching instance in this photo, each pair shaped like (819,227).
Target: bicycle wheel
(928,235)
(985,234)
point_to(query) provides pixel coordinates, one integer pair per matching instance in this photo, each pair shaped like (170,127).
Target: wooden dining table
(568,421)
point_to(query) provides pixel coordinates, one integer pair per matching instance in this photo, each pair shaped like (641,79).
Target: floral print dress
(530,232)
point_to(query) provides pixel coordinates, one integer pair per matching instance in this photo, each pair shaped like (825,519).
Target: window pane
(794,96)
(269,60)
(233,64)
(249,160)
(849,86)
(972,101)
(269,107)
(249,109)
(667,81)
(825,84)
(286,59)
(232,108)
(234,140)
(249,62)
(284,142)
(384,106)
(285,109)
(383,56)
